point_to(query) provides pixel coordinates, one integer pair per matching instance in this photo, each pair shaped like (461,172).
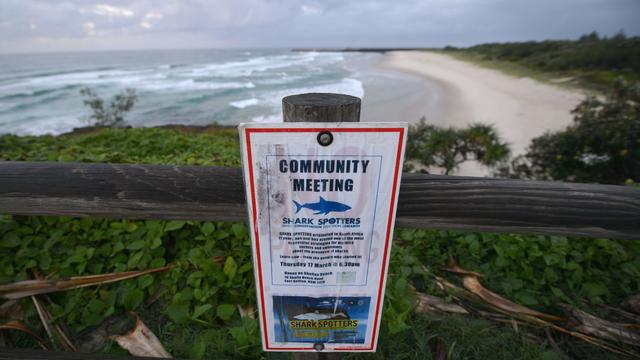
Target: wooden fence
(216,193)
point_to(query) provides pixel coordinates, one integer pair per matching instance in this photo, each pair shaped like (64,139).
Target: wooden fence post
(320,107)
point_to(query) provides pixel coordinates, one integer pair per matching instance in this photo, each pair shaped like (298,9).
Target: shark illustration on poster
(323,206)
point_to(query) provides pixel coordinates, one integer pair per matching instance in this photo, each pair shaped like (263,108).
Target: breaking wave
(42,95)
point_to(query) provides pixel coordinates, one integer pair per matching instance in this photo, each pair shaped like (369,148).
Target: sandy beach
(457,93)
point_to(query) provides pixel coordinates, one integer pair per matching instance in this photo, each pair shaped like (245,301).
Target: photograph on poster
(320,319)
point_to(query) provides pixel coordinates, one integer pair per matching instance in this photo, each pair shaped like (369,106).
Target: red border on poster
(385,257)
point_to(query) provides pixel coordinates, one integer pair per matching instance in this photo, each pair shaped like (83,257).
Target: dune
(520,108)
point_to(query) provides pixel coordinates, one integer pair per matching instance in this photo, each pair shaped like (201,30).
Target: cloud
(310,10)
(111,11)
(149,19)
(25,25)
(89,28)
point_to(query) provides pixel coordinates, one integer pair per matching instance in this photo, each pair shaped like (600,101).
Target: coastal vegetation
(203,305)
(602,145)
(111,114)
(592,60)
(448,148)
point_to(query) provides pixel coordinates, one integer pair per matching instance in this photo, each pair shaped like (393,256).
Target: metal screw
(325,138)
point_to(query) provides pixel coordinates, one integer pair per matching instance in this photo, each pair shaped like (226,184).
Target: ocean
(40,93)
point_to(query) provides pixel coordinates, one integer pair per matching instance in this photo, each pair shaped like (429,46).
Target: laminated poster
(322,201)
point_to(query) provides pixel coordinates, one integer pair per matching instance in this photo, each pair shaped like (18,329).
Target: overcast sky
(75,25)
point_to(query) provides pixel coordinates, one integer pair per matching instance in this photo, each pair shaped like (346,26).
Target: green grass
(195,317)
(215,146)
(463,338)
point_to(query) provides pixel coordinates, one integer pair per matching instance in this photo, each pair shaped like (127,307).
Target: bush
(111,115)
(447,148)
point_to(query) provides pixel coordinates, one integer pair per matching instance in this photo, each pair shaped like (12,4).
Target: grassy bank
(522,71)
(195,311)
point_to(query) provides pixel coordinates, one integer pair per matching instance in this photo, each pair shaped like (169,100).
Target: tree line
(597,59)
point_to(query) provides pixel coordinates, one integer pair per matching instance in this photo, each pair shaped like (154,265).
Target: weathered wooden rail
(216,193)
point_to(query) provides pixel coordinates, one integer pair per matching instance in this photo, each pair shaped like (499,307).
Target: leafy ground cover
(194,308)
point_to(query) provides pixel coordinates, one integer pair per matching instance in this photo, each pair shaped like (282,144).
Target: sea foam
(188,87)
(241,104)
(192,85)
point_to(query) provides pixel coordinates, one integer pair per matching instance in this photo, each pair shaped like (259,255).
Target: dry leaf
(595,326)
(142,342)
(474,291)
(514,325)
(452,266)
(96,339)
(26,288)
(249,311)
(17,325)
(428,304)
(622,313)
(633,303)
(10,309)
(55,331)
(470,282)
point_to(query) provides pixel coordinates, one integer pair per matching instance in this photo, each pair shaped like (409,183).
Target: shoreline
(519,108)
(408,85)
(392,95)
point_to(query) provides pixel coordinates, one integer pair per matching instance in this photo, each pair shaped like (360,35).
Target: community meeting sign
(322,201)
